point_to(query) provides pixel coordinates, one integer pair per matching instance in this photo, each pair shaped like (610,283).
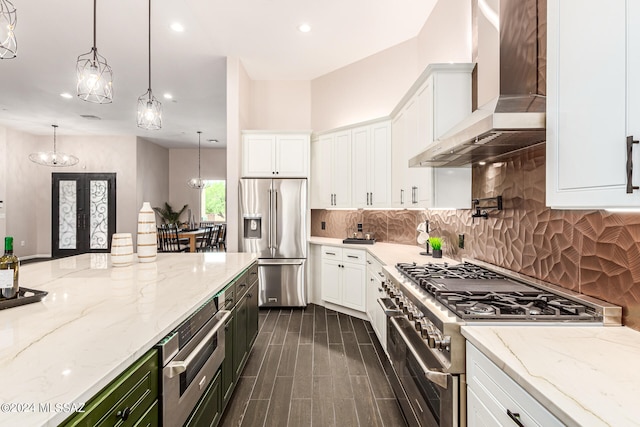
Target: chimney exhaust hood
(517,118)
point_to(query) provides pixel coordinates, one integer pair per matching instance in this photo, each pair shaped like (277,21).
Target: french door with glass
(83,212)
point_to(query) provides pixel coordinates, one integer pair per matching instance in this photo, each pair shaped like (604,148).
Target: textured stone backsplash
(596,253)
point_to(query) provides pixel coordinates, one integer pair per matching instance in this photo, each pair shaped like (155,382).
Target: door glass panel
(99,215)
(67,215)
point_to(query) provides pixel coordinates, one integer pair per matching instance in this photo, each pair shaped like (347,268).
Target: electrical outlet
(323,225)
(22,242)
(360,227)
(461,241)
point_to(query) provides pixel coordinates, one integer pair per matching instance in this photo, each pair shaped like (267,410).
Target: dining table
(192,235)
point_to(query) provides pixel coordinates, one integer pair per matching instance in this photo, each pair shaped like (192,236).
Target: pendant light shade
(94,75)
(149,108)
(8,20)
(53,158)
(198,183)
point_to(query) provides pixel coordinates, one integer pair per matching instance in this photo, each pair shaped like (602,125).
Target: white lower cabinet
(376,315)
(343,277)
(494,399)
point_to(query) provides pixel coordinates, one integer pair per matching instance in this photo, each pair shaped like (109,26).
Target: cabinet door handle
(515,417)
(124,414)
(414,195)
(630,186)
(402,197)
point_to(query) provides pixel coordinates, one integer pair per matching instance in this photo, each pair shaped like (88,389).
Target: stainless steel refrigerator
(273,224)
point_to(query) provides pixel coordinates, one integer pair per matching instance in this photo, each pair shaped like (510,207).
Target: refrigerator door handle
(275,220)
(270,216)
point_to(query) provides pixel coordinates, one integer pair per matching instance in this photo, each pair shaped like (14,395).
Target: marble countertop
(387,253)
(585,376)
(95,322)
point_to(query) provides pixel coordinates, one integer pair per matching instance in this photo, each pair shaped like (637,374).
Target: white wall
(183,165)
(3,182)
(152,173)
(280,105)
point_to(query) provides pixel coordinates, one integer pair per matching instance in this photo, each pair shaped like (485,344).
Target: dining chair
(169,240)
(221,240)
(203,242)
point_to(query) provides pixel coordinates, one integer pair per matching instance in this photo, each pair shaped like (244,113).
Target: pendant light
(53,158)
(149,108)
(198,183)
(8,19)
(94,74)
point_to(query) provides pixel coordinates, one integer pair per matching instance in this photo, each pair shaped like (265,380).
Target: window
(214,201)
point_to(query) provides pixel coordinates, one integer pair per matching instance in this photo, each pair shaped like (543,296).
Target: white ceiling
(190,65)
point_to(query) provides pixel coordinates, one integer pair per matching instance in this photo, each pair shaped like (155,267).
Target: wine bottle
(9,266)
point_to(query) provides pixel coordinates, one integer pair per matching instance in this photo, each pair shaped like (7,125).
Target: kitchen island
(584,376)
(94,323)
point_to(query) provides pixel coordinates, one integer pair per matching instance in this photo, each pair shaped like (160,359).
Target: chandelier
(8,19)
(198,183)
(53,158)
(94,74)
(149,108)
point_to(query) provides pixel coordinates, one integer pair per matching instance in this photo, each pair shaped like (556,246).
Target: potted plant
(436,246)
(168,215)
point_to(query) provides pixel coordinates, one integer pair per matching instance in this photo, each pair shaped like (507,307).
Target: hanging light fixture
(149,108)
(8,20)
(198,183)
(53,158)
(94,74)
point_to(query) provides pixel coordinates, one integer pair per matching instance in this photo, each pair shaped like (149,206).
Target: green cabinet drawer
(126,399)
(151,418)
(253,274)
(242,286)
(208,410)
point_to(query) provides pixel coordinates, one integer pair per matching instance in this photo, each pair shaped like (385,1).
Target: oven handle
(179,366)
(438,378)
(390,312)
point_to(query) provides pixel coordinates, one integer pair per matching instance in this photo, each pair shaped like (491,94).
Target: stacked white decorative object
(147,234)
(423,236)
(121,250)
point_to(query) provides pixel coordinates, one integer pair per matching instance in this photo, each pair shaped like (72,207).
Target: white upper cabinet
(371,165)
(331,171)
(439,99)
(593,103)
(275,155)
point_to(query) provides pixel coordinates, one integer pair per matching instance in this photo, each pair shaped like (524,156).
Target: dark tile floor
(314,367)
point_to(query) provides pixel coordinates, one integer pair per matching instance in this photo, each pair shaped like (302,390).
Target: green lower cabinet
(240,337)
(228,380)
(209,410)
(252,315)
(151,418)
(127,400)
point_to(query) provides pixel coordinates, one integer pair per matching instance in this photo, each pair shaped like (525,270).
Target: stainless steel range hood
(516,119)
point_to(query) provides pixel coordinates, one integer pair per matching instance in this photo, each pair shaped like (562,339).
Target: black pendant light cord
(95,51)
(149,49)
(54,138)
(199,177)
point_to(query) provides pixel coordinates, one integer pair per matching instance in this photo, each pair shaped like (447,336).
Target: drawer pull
(515,417)
(352,256)
(330,253)
(124,414)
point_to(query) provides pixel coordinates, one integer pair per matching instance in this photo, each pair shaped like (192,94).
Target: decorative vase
(121,250)
(437,253)
(147,234)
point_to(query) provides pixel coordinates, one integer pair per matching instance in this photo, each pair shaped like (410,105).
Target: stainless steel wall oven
(190,356)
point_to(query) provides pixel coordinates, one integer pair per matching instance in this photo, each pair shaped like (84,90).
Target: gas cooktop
(474,292)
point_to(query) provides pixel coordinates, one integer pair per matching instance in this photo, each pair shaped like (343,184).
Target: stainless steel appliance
(273,224)
(190,356)
(427,305)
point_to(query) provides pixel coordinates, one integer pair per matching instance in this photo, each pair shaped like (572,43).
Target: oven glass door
(433,401)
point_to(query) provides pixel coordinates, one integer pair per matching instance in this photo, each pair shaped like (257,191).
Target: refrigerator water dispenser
(252,227)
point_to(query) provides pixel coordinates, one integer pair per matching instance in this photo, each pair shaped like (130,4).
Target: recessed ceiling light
(66,95)
(212,140)
(482,163)
(168,96)
(177,27)
(304,28)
